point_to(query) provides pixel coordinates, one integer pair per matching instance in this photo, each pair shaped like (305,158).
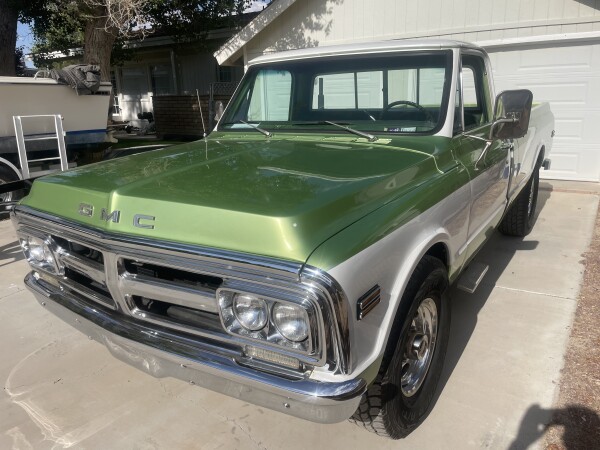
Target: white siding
(309,23)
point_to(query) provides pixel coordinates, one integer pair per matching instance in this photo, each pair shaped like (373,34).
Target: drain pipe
(201,115)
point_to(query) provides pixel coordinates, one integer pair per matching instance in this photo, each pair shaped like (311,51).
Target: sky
(25,40)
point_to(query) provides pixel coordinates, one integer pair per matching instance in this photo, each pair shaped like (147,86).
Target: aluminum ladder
(59,135)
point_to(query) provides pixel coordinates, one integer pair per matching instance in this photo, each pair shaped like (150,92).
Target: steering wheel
(428,115)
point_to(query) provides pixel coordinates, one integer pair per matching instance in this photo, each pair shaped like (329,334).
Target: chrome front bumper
(168,355)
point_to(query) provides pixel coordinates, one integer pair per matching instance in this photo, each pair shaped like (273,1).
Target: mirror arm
(488,143)
(500,121)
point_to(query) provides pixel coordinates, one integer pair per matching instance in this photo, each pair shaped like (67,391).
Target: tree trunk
(98,43)
(8,37)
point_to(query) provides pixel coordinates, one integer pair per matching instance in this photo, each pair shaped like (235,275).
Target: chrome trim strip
(85,292)
(368,301)
(202,299)
(89,268)
(163,354)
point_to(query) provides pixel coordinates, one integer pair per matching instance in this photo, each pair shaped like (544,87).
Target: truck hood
(277,197)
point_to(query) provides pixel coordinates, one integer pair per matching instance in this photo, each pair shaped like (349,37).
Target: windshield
(404,93)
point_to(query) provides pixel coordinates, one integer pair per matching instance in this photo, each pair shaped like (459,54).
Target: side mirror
(512,111)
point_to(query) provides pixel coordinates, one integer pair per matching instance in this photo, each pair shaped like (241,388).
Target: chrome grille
(173,285)
(168,284)
(171,296)
(83,271)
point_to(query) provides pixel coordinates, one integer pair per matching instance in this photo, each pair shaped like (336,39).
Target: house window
(162,80)
(225,74)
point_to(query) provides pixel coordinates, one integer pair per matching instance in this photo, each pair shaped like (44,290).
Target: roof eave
(233,48)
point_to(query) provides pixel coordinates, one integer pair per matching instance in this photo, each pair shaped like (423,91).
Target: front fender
(389,262)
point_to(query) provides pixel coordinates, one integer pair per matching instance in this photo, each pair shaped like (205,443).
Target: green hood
(279,197)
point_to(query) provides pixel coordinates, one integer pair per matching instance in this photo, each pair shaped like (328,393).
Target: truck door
(487,163)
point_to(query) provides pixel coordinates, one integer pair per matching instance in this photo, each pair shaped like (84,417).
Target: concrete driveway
(507,343)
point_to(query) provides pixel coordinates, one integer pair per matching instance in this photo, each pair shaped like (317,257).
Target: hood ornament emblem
(139,220)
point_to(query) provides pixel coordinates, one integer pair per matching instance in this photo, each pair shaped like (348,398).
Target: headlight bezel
(270,336)
(50,262)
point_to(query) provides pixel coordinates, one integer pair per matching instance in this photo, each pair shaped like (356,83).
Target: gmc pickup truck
(299,257)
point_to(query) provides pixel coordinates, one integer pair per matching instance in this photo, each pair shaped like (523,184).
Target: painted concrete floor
(62,390)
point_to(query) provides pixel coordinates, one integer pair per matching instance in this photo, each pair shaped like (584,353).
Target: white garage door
(568,76)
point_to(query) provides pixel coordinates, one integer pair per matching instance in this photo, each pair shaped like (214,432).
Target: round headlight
(250,311)
(38,250)
(291,321)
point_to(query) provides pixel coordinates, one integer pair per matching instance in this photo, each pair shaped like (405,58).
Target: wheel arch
(440,251)
(6,163)
(436,248)
(540,155)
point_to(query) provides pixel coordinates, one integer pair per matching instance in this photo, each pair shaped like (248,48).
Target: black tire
(384,408)
(520,217)
(6,176)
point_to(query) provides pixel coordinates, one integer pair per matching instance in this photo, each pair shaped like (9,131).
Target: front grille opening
(172,275)
(80,250)
(178,314)
(84,281)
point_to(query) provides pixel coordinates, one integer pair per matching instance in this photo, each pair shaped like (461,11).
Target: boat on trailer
(35,111)
(84,116)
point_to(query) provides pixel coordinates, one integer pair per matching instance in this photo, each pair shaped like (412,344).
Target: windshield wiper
(369,137)
(265,132)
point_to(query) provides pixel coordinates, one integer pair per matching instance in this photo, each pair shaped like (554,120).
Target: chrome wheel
(419,348)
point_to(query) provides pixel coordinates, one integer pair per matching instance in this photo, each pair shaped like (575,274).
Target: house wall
(549,46)
(312,23)
(137,86)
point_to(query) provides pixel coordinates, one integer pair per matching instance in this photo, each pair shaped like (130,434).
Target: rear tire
(520,217)
(402,394)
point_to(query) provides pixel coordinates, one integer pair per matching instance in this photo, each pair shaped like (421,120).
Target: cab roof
(364,48)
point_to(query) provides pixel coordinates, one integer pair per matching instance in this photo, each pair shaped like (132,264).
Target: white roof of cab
(364,48)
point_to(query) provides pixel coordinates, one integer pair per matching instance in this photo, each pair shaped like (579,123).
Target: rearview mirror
(511,114)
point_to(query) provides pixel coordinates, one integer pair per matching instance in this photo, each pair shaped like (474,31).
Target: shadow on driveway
(581,427)
(10,253)
(466,307)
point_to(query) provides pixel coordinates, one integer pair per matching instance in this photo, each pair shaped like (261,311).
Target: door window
(475,92)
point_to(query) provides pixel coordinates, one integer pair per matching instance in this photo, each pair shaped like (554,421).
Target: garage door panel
(567,124)
(557,60)
(568,77)
(573,162)
(568,129)
(566,93)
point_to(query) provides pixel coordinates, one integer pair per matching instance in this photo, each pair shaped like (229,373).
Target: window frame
(485,87)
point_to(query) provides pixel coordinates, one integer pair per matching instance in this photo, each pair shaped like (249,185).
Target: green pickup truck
(299,257)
